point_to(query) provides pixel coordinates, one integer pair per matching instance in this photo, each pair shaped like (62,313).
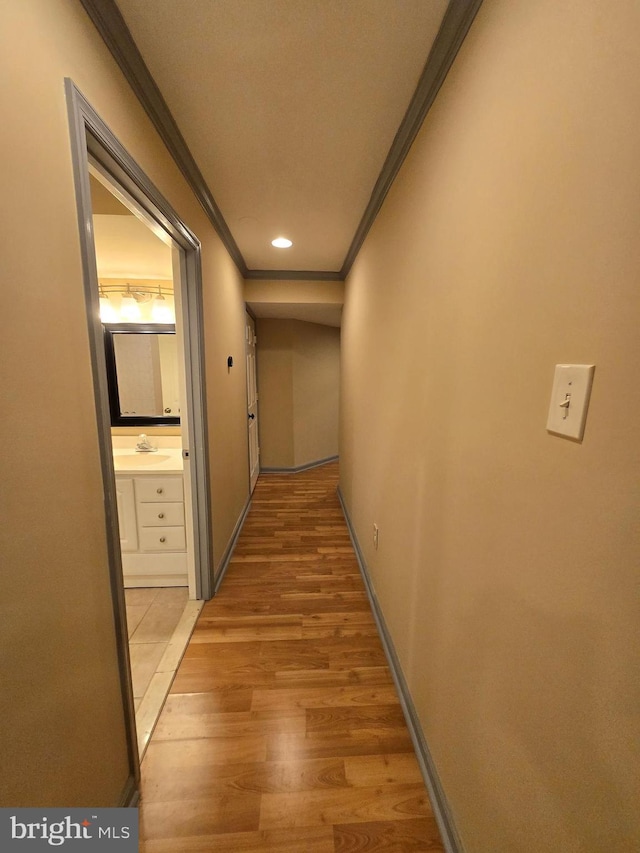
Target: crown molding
(453,29)
(294,275)
(109,22)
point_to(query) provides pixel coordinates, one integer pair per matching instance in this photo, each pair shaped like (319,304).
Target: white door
(252,400)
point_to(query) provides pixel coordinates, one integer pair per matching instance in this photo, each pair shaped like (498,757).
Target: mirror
(142,373)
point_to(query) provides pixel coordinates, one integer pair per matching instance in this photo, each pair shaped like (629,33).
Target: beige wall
(274,361)
(288,291)
(62,735)
(311,301)
(508,560)
(316,392)
(298,384)
(135,431)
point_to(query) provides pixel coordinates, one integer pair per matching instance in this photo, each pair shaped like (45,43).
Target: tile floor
(160,622)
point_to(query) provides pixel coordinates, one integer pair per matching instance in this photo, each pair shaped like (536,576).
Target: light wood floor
(283,730)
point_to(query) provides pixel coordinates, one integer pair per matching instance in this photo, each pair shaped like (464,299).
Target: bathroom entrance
(146,379)
(144,307)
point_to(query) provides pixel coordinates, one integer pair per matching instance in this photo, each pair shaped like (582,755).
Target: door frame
(249,315)
(92,139)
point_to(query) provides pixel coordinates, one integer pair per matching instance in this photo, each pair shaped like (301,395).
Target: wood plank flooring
(283,730)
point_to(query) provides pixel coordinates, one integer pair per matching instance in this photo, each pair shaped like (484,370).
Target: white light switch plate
(570,399)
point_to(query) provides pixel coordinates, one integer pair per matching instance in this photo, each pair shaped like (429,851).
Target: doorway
(146,383)
(171,513)
(252,400)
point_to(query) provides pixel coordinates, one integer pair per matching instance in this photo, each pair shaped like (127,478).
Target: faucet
(144,445)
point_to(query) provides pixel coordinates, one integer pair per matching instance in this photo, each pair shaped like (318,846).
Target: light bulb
(129,309)
(160,310)
(107,311)
(281,243)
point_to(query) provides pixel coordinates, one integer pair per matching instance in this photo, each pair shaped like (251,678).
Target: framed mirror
(142,373)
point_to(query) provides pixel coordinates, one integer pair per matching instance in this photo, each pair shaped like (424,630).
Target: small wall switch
(375,536)
(570,399)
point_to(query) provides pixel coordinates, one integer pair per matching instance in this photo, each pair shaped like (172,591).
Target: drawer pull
(159,491)
(160,515)
(162,539)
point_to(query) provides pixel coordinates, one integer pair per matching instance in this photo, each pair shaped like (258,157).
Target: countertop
(164,460)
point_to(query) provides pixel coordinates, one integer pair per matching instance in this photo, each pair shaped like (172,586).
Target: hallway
(283,730)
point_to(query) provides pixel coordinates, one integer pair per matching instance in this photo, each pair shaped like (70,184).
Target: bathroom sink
(150,458)
(138,460)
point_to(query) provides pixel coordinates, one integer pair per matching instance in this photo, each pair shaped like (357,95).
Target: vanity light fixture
(160,310)
(108,313)
(131,297)
(281,243)
(129,308)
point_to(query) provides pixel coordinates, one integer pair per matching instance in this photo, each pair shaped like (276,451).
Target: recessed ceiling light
(281,243)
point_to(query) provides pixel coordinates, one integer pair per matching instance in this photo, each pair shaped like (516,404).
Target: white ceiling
(289,108)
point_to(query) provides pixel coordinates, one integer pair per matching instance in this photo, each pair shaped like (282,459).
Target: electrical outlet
(375,536)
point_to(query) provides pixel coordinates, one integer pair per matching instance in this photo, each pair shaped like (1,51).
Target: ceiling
(288,117)
(289,108)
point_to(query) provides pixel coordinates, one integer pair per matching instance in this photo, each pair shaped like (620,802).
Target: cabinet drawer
(162,539)
(159,489)
(160,514)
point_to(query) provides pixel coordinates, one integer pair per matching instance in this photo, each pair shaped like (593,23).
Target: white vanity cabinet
(127,514)
(152,531)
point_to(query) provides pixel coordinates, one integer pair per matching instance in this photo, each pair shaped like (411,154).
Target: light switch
(570,399)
